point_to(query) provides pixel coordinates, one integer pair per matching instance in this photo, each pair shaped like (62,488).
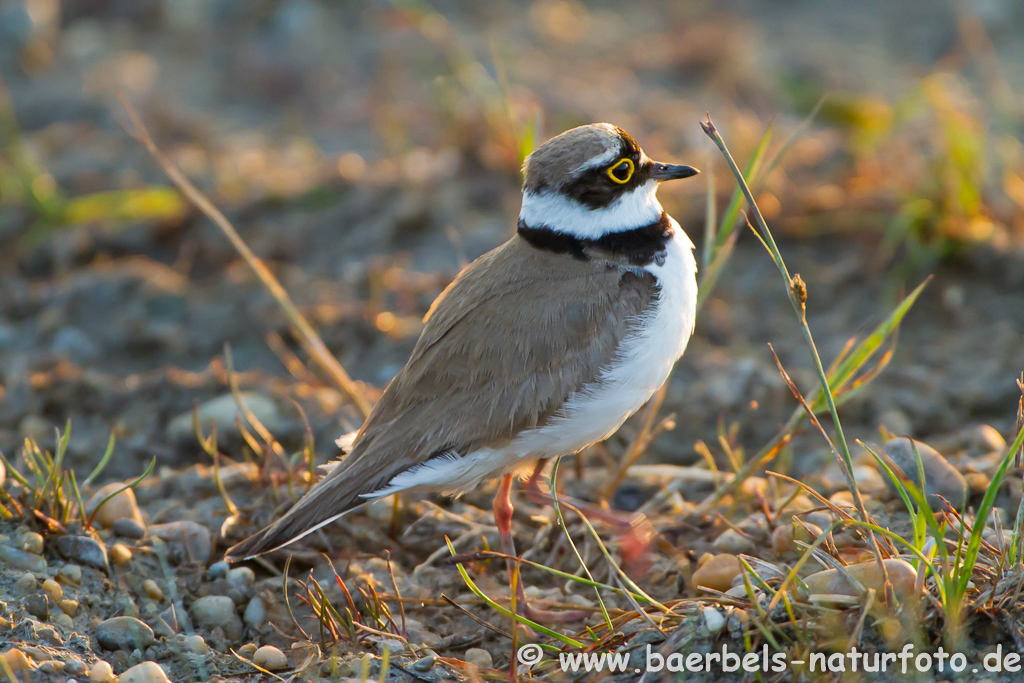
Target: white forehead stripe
(610,155)
(560,213)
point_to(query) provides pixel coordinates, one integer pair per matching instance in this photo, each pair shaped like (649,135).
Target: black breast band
(639,246)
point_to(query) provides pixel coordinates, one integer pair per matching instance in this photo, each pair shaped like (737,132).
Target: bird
(538,349)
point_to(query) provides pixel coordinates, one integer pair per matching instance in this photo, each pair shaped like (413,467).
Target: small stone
(145,672)
(830,582)
(247,650)
(25,584)
(101,672)
(218,610)
(69,607)
(869,481)
(713,619)
(75,667)
(53,589)
(222,412)
(19,559)
(784,537)
(38,606)
(128,528)
(17,662)
(70,574)
(218,570)
(941,478)
(48,635)
(255,612)
(120,554)
(196,644)
(31,542)
(194,538)
(51,666)
(83,550)
(270,658)
(153,590)
(480,658)
(977,482)
(64,621)
(717,572)
(426,663)
(124,633)
(241,577)
(733,542)
(121,506)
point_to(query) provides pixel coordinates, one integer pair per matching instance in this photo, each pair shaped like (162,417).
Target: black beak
(672,171)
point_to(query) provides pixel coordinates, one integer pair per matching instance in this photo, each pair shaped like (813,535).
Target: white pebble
(101,672)
(270,658)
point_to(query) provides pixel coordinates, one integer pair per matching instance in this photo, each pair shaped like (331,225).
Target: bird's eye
(621,171)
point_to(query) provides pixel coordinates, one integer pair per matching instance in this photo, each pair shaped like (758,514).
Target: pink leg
(503,520)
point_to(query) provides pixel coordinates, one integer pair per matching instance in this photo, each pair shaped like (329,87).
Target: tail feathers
(308,515)
(331,498)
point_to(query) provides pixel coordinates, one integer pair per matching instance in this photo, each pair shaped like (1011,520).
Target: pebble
(83,550)
(146,672)
(255,612)
(124,633)
(941,478)
(19,559)
(247,650)
(713,619)
(218,570)
(25,584)
(70,574)
(17,662)
(221,411)
(195,538)
(31,542)
(121,506)
(734,543)
(869,481)
(196,644)
(128,528)
(51,666)
(153,590)
(977,482)
(241,577)
(64,621)
(101,672)
(38,606)
(120,554)
(717,572)
(480,657)
(270,658)
(830,582)
(53,589)
(75,667)
(425,663)
(218,610)
(785,536)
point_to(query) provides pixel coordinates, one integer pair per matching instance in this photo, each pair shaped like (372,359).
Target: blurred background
(368,150)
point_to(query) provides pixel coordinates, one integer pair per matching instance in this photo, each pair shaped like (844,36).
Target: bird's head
(593,180)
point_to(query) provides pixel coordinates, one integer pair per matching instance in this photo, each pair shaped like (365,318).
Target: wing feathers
(518,332)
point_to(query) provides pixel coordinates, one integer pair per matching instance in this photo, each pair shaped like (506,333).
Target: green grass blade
(101,465)
(508,613)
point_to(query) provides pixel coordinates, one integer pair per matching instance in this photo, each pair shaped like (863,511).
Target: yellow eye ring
(618,165)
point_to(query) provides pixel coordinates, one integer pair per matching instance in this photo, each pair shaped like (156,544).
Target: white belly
(643,363)
(645,359)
